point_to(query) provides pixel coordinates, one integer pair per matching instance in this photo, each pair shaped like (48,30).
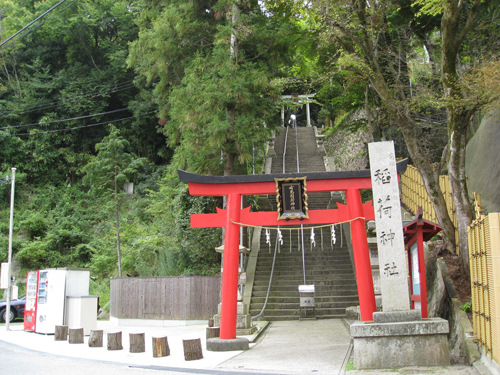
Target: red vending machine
(31,301)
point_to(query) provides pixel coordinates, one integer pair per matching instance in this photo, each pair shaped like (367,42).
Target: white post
(308,112)
(283,115)
(7,309)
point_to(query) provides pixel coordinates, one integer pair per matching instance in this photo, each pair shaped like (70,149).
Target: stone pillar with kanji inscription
(389,225)
(398,336)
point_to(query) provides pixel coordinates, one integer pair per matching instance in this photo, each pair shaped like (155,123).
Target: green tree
(379,42)
(210,64)
(69,71)
(108,171)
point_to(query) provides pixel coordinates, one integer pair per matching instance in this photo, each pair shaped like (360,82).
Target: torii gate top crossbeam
(265,184)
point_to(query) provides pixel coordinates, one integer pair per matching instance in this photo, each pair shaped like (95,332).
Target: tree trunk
(95,339)
(61,333)
(76,335)
(235,15)
(401,115)
(160,347)
(372,44)
(458,181)
(213,332)
(229,164)
(192,349)
(137,342)
(115,341)
(458,116)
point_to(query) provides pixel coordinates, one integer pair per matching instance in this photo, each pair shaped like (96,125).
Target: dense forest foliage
(97,94)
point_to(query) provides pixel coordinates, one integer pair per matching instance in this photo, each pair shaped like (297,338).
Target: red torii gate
(352,182)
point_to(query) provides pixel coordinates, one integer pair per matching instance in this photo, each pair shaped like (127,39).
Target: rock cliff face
(443,302)
(482,163)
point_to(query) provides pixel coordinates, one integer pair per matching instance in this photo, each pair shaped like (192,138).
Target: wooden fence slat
(484,252)
(413,194)
(165,298)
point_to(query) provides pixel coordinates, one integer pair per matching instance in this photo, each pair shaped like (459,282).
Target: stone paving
(286,347)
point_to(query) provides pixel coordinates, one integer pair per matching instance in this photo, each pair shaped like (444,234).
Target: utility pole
(7,309)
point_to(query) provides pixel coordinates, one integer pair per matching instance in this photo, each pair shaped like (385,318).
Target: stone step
(329,279)
(310,266)
(284,254)
(321,302)
(320,282)
(316,273)
(296,305)
(318,262)
(292,262)
(296,317)
(322,285)
(291,166)
(283,318)
(318,299)
(292,312)
(291,290)
(314,164)
(328,266)
(297,275)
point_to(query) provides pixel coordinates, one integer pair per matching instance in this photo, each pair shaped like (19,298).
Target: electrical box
(307,299)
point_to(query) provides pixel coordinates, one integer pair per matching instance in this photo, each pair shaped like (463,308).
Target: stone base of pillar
(243,324)
(400,339)
(220,345)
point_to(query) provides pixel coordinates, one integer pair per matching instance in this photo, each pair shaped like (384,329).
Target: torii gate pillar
(229,298)
(361,256)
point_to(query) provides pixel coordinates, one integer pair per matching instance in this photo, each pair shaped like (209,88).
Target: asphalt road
(15,360)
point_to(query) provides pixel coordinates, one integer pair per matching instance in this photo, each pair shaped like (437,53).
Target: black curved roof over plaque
(191,177)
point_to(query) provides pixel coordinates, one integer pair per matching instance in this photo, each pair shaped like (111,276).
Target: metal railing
(269,286)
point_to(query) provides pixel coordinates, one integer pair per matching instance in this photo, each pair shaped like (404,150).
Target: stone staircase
(311,157)
(327,266)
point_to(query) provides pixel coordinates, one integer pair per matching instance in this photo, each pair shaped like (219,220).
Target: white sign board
(4,278)
(390,241)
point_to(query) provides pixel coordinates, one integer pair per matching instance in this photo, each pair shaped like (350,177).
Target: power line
(57,102)
(77,127)
(73,118)
(43,22)
(32,22)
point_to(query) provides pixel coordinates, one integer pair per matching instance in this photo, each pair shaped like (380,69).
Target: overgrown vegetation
(101,93)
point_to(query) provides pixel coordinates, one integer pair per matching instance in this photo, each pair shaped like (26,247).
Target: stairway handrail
(297,147)
(301,225)
(284,148)
(269,286)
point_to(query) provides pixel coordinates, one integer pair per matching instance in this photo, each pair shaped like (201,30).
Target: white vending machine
(53,287)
